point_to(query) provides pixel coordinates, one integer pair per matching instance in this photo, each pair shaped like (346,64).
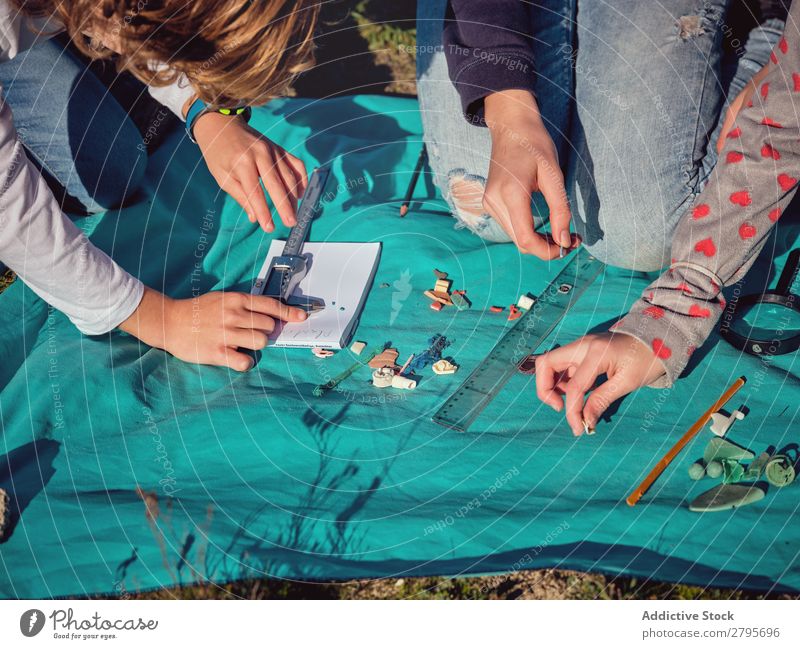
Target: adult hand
(572,371)
(524,160)
(209,329)
(742,99)
(239,157)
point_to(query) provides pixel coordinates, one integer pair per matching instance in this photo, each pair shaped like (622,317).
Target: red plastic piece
(496,309)
(436,306)
(514,312)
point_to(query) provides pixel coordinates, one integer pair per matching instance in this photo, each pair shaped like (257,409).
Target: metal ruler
(287,270)
(522,339)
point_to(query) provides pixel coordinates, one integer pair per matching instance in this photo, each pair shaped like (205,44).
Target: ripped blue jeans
(632,94)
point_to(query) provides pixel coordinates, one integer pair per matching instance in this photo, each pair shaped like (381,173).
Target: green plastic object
(726,496)
(780,471)
(720,448)
(697,470)
(460,302)
(714,469)
(732,471)
(322,388)
(756,467)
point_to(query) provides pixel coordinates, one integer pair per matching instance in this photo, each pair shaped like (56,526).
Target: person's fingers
(275,308)
(253,320)
(300,172)
(556,367)
(276,188)
(246,339)
(229,357)
(604,395)
(579,384)
(291,181)
(546,376)
(249,179)
(551,185)
(516,209)
(234,188)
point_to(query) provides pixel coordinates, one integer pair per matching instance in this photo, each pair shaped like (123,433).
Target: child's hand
(524,160)
(573,369)
(239,156)
(211,328)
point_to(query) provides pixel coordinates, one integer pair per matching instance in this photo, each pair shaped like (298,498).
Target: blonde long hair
(233,52)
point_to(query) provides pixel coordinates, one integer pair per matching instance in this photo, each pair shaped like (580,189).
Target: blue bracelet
(195,110)
(199,108)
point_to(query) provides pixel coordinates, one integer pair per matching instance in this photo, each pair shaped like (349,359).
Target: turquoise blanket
(130,470)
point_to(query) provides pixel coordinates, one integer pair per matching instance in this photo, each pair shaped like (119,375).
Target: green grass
(537,584)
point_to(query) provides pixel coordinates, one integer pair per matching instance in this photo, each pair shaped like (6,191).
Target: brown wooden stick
(658,469)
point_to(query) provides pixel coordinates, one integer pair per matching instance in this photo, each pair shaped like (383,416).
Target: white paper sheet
(340,274)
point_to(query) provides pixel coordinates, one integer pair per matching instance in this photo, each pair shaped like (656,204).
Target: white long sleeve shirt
(46,250)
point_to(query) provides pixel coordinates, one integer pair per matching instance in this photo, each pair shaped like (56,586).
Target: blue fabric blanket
(131,470)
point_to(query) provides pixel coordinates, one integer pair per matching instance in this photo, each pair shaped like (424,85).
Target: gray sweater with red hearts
(717,242)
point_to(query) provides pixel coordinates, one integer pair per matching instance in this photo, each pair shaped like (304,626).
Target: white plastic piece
(357,347)
(319,352)
(525,302)
(721,423)
(383,377)
(403,383)
(444,366)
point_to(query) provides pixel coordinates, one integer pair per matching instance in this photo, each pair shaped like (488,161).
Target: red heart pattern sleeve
(718,240)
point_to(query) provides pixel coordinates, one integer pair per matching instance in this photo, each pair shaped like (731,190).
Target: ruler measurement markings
(527,334)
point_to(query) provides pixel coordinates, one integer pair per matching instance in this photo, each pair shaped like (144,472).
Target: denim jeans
(73,128)
(631,93)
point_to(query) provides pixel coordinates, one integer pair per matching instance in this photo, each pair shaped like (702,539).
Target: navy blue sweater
(480,33)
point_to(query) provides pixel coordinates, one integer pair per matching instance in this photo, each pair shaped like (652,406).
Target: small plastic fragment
(756,467)
(403,382)
(460,300)
(319,352)
(514,312)
(387,358)
(443,285)
(439,274)
(403,369)
(720,448)
(525,302)
(714,469)
(587,429)
(384,285)
(436,345)
(443,366)
(357,347)
(528,364)
(496,309)
(721,422)
(697,470)
(732,471)
(382,377)
(726,496)
(438,296)
(436,306)
(780,471)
